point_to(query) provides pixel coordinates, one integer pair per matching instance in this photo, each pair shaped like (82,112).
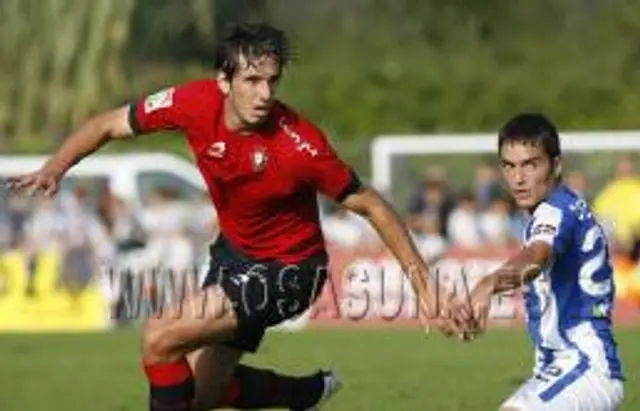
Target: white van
(132,177)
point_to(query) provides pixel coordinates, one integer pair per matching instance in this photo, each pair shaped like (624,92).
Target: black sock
(172,387)
(253,388)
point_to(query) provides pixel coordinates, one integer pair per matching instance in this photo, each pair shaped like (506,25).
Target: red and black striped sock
(253,388)
(172,387)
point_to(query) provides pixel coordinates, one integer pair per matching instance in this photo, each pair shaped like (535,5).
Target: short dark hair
(467,195)
(253,41)
(532,128)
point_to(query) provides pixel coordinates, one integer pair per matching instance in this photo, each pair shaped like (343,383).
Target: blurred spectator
(19,211)
(578,182)
(463,226)
(518,223)
(166,222)
(431,198)
(618,206)
(84,240)
(204,226)
(495,222)
(5,222)
(486,183)
(106,209)
(121,224)
(428,239)
(43,232)
(127,238)
(44,228)
(626,167)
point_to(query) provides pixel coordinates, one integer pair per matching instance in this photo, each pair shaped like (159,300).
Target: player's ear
(557,168)
(223,83)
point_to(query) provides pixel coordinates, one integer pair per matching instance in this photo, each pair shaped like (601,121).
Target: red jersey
(263,183)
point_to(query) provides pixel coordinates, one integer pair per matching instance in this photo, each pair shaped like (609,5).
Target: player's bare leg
(188,368)
(213,368)
(202,318)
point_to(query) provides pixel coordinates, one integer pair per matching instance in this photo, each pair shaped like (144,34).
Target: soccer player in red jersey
(264,165)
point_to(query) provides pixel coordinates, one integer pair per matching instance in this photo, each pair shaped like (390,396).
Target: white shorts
(568,384)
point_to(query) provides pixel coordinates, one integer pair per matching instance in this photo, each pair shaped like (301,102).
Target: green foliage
(362,67)
(62,60)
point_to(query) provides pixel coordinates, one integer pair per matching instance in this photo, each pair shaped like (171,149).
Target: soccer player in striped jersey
(565,269)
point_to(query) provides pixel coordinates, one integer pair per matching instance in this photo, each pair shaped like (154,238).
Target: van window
(93,186)
(152,182)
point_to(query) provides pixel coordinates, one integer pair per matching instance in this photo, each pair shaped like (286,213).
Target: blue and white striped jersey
(569,306)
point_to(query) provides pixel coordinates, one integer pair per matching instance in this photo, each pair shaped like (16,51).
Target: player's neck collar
(266,127)
(557,187)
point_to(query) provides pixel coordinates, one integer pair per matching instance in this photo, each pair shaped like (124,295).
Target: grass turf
(382,369)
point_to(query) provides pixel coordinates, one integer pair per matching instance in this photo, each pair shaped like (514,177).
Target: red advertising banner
(367,288)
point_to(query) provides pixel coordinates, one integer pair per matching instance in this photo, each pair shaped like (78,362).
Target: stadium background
(362,68)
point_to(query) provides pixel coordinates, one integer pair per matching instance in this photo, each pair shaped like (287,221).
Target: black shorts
(263,294)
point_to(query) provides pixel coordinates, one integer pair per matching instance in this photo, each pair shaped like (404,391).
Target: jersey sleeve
(325,170)
(551,225)
(167,109)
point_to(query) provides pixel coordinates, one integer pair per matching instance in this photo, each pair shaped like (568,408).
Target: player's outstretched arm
(434,301)
(89,137)
(513,274)
(524,267)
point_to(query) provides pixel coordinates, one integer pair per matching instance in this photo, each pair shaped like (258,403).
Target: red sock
(253,388)
(172,387)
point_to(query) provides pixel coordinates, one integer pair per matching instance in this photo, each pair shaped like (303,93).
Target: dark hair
(253,41)
(467,195)
(531,128)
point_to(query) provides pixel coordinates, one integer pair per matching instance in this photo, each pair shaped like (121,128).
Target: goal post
(385,147)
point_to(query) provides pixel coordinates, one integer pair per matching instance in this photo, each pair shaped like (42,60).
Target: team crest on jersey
(259,159)
(161,99)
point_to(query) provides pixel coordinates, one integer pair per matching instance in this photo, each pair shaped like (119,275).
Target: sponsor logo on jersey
(217,149)
(542,229)
(601,310)
(161,99)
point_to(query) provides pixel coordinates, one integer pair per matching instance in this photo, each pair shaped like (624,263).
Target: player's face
(251,91)
(529,173)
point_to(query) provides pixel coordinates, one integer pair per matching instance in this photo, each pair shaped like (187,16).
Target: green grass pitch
(382,369)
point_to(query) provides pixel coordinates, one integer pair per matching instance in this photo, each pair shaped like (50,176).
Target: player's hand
(480,300)
(42,181)
(450,318)
(462,319)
